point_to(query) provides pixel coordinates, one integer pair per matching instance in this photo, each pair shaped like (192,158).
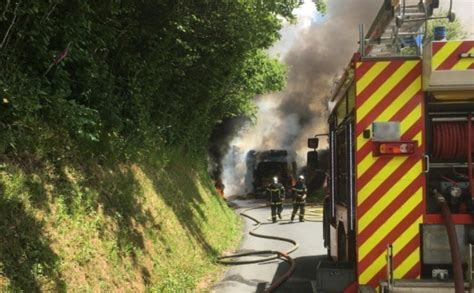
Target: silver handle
(427,162)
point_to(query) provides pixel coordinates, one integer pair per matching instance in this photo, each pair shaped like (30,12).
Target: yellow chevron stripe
(404,97)
(419,138)
(394,107)
(377,180)
(390,196)
(464,63)
(365,163)
(398,245)
(444,53)
(385,88)
(407,264)
(361,141)
(358,64)
(388,225)
(369,76)
(411,119)
(379,263)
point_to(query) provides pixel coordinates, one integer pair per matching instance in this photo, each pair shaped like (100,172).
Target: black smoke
(319,55)
(286,119)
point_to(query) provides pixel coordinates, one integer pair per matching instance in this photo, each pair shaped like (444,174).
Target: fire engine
(398,216)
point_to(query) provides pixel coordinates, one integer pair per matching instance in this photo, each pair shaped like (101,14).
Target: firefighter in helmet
(299,198)
(275,193)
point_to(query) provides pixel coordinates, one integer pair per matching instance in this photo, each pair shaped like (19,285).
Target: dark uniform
(276,193)
(299,199)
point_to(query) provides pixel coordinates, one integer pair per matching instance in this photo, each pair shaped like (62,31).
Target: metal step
(401,286)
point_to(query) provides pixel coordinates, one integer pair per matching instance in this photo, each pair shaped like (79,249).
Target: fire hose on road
(232,259)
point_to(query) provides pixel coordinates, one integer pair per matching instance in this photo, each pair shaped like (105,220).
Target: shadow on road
(305,272)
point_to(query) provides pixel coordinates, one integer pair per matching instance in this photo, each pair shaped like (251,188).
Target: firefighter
(299,198)
(276,193)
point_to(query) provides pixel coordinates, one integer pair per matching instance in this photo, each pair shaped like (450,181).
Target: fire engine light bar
(394,148)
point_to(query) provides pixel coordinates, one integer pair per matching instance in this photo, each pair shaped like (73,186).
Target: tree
(455,30)
(113,75)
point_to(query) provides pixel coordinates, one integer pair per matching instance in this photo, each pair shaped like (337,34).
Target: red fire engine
(399,213)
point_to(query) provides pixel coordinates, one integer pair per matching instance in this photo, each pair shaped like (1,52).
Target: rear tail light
(394,148)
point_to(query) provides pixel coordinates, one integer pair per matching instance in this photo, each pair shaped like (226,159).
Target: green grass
(150,226)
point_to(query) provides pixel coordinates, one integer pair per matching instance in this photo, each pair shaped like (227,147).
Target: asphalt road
(257,277)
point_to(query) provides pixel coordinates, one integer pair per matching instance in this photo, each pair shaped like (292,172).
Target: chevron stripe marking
(373,270)
(412,132)
(453,58)
(380,166)
(368,78)
(465,63)
(383,89)
(436,46)
(388,203)
(409,262)
(388,225)
(375,262)
(402,93)
(405,110)
(363,147)
(443,54)
(362,68)
(403,269)
(369,162)
(385,185)
(404,252)
(414,273)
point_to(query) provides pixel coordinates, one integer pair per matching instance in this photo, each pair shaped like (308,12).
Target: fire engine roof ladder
(399,24)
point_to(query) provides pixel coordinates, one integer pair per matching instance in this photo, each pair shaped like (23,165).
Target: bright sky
(464,10)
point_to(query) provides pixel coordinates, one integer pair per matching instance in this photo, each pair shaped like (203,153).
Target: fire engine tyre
(341,243)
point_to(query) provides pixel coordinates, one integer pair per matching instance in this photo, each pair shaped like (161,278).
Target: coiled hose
(231,259)
(450,140)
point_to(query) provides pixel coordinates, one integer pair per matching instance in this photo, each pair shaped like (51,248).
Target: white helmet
(275,179)
(301,177)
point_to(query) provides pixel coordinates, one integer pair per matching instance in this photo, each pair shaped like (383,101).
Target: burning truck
(262,166)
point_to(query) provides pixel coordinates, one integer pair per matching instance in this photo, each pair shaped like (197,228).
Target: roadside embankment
(75,226)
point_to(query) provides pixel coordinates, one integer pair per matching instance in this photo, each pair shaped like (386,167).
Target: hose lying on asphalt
(231,259)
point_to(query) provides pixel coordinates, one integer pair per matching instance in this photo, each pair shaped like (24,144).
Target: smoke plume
(315,50)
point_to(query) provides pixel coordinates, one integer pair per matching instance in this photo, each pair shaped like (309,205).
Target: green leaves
(149,71)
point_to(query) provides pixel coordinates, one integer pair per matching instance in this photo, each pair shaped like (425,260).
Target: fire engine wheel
(341,243)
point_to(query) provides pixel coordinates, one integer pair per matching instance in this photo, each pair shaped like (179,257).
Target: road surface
(257,277)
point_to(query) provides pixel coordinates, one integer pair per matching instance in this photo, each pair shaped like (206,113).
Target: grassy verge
(129,227)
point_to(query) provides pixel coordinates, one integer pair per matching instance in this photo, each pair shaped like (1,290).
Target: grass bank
(129,227)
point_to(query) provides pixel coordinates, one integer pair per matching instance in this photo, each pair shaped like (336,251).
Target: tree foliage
(321,6)
(113,75)
(454,30)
